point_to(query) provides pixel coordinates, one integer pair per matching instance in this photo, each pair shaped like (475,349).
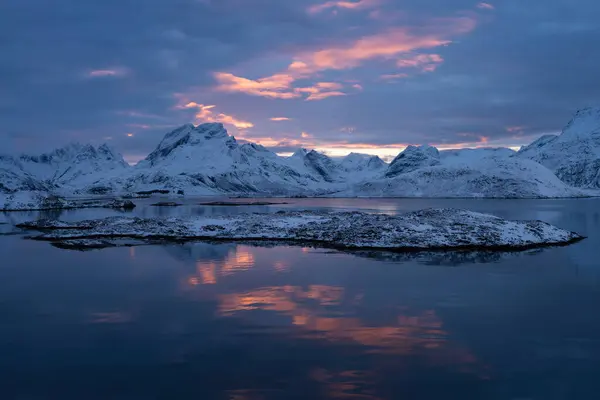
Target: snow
(469,156)
(421,230)
(574,155)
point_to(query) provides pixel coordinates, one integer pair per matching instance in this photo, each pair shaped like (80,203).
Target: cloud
(424,62)
(324,95)
(486,6)
(392,77)
(388,45)
(502,76)
(279,119)
(348,5)
(277,86)
(205,113)
(306,135)
(117,72)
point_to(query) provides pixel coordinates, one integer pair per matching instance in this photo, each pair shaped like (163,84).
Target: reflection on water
(236,259)
(236,321)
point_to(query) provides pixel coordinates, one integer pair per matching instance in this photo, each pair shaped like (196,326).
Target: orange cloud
(275,86)
(486,6)
(348,5)
(278,119)
(206,114)
(306,135)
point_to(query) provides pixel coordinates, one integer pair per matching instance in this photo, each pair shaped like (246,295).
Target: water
(230,321)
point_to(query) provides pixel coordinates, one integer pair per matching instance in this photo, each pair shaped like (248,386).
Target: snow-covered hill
(464,174)
(574,155)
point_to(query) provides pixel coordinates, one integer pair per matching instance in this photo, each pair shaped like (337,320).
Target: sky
(342,75)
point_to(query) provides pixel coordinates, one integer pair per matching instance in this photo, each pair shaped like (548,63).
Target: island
(430,229)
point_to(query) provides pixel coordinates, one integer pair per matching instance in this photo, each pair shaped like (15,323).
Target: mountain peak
(413,158)
(301,152)
(585,122)
(190,136)
(212,129)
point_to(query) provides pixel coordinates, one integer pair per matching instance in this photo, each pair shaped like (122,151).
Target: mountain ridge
(206,160)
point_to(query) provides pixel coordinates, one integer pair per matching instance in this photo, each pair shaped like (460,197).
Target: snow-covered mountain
(425,172)
(574,155)
(317,164)
(412,159)
(356,162)
(74,165)
(13,177)
(205,160)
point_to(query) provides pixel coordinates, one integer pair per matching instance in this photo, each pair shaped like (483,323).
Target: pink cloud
(393,44)
(324,95)
(206,114)
(424,62)
(107,73)
(387,45)
(342,4)
(486,6)
(275,86)
(279,119)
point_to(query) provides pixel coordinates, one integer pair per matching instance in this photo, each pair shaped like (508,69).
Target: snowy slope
(574,155)
(470,176)
(468,156)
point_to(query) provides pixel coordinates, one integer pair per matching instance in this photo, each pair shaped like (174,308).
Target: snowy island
(431,229)
(205,160)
